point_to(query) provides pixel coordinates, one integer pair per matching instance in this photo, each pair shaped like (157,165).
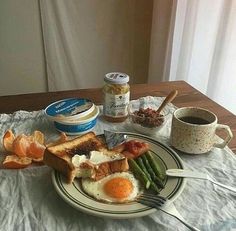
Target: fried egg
(117,187)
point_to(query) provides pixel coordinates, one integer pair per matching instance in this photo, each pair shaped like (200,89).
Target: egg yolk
(118,187)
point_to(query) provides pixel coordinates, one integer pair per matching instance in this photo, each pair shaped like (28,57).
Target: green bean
(138,172)
(142,166)
(149,168)
(155,166)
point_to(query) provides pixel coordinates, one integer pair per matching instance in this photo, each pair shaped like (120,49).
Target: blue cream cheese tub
(74,116)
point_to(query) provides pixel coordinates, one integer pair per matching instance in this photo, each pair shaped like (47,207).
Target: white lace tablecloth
(28,200)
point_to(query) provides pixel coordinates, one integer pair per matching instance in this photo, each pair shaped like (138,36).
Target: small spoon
(167,100)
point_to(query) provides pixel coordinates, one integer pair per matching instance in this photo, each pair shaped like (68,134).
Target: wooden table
(188,96)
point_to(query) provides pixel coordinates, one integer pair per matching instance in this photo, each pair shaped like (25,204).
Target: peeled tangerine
(24,149)
(14,161)
(30,146)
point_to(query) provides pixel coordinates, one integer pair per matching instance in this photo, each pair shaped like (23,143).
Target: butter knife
(197,175)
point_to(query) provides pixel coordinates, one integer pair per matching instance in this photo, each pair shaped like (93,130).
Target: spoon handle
(168,99)
(223,185)
(185,173)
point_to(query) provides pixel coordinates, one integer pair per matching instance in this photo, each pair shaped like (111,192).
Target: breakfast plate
(74,195)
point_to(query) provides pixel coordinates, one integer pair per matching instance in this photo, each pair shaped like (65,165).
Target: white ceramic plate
(74,195)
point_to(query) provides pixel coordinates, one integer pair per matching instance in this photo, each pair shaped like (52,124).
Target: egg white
(96,188)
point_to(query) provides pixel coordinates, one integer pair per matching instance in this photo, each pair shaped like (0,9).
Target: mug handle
(227,139)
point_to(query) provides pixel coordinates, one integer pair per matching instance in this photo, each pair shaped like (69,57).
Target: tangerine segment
(7,141)
(38,137)
(16,162)
(36,150)
(21,145)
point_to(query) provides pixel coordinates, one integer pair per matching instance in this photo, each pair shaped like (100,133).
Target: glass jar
(116,96)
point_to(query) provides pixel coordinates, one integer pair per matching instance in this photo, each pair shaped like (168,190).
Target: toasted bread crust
(60,163)
(59,156)
(86,142)
(106,168)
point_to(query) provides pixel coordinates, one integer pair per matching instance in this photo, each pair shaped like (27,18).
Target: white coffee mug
(193,130)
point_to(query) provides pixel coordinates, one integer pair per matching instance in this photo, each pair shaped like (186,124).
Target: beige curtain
(199,47)
(84,39)
(152,41)
(205,52)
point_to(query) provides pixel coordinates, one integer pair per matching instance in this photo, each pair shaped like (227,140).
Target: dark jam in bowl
(147,118)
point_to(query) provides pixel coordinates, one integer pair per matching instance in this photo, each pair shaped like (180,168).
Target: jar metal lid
(116,78)
(69,109)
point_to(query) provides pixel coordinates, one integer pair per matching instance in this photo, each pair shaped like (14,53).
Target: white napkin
(28,200)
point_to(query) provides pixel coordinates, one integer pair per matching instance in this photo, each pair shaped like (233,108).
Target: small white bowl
(143,117)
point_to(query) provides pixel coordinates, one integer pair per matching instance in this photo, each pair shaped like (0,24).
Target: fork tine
(159,198)
(151,200)
(150,195)
(150,203)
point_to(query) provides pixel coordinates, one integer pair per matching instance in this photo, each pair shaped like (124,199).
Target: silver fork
(161,203)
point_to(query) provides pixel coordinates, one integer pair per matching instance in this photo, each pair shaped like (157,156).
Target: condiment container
(74,116)
(116,96)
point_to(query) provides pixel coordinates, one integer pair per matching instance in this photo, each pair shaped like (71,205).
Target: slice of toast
(99,171)
(80,145)
(59,156)
(62,164)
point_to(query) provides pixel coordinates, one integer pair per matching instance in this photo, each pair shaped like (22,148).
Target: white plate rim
(57,180)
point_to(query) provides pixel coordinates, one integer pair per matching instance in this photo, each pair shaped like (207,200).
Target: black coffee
(194,120)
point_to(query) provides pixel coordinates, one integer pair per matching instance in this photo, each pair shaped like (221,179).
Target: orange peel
(16,162)
(26,149)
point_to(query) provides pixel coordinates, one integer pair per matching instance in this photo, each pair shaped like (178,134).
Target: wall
(22,64)
(85,39)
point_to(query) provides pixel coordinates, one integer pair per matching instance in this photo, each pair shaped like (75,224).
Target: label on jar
(116,105)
